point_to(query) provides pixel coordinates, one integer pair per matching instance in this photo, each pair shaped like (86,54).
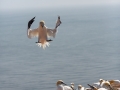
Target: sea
(85,49)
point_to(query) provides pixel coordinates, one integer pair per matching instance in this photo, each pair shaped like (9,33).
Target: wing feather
(32,33)
(51,32)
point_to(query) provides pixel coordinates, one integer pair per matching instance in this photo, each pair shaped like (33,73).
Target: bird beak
(42,26)
(64,84)
(58,17)
(90,86)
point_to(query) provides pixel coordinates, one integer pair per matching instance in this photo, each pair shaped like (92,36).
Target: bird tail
(43,44)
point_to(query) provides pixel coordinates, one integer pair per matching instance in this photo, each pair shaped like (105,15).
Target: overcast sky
(25,4)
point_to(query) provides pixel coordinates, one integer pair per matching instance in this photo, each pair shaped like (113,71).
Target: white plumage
(62,86)
(42,32)
(80,87)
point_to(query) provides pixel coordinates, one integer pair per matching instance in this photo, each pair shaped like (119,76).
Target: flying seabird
(42,32)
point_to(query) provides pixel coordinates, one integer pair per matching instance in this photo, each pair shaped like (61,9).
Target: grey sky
(24,4)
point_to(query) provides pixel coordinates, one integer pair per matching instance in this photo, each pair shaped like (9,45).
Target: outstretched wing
(58,22)
(32,32)
(52,32)
(30,22)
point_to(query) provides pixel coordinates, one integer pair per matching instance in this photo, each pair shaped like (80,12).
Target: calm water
(86,48)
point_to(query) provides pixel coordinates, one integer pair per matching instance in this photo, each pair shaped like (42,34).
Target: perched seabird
(80,87)
(108,84)
(95,88)
(115,83)
(105,84)
(42,32)
(72,86)
(62,86)
(97,84)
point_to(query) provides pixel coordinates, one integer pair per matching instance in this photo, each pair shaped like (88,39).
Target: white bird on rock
(105,84)
(95,88)
(80,87)
(42,32)
(72,86)
(62,86)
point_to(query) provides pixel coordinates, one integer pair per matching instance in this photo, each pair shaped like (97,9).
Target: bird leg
(46,40)
(49,40)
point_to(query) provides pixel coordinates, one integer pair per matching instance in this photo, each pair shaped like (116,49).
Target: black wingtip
(58,17)
(58,24)
(33,18)
(30,22)
(90,86)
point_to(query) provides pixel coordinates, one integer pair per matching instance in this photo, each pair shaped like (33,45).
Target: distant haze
(29,4)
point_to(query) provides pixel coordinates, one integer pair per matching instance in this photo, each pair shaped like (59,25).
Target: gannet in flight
(42,32)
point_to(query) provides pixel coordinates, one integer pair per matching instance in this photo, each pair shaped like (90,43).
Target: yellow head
(42,23)
(80,86)
(59,82)
(101,80)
